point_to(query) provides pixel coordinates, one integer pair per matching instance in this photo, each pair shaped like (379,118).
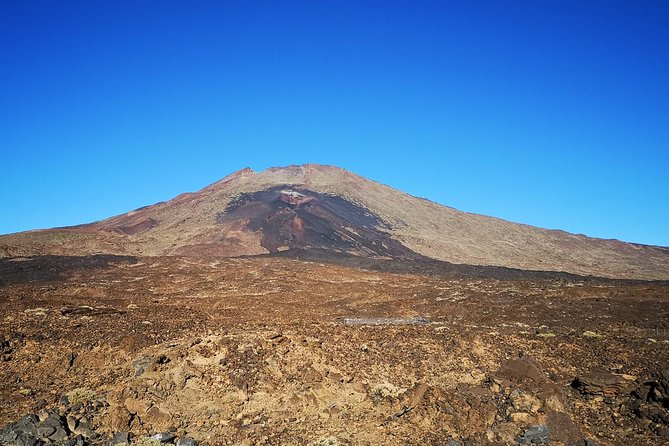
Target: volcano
(333,211)
(306,305)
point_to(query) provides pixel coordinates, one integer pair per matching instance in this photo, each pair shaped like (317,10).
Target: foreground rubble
(259,352)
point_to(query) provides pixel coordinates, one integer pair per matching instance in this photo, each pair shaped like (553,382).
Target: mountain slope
(324,207)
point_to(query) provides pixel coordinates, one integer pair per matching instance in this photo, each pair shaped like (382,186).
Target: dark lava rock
(27,440)
(59,435)
(79,440)
(537,434)
(654,390)
(45,431)
(653,412)
(601,384)
(23,432)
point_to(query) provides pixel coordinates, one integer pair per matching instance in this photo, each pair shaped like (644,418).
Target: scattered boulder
(186,441)
(601,384)
(164,437)
(651,402)
(78,440)
(33,430)
(521,370)
(654,390)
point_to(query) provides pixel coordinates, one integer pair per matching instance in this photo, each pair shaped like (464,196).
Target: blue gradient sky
(551,113)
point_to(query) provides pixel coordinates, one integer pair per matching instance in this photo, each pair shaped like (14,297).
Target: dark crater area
(295,218)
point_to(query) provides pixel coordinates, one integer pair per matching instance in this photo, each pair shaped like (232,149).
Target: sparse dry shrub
(326,441)
(386,390)
(80,395)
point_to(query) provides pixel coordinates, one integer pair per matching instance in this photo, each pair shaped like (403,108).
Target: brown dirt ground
(254,351)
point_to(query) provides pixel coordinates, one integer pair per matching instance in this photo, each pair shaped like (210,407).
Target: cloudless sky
(550,113)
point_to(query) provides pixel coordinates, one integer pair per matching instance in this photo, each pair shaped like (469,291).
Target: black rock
(79,440)
(27,440)
(8,436)
(53,420)
(45,431)
(537,434)
(59,435)
(26,425)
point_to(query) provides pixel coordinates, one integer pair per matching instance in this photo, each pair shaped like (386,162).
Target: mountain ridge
(194,224)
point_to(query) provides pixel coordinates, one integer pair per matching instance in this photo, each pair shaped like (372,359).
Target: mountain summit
(326,208)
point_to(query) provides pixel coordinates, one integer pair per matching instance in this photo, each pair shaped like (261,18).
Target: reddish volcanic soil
(274,351)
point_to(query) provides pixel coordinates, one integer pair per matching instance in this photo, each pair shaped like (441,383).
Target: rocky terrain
(269,350)
(325,207)
(309,306)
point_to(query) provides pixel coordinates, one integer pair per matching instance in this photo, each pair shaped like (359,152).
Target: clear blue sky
(551,113)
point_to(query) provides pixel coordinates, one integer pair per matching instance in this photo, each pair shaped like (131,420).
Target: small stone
(45,431)
(8,436)
(27,425)
(142,365)
(85,432)
(75,441)
(120,439)
(71,423)
(59,435)
(27,440)
(186,441)
(53,420)
(537,434)
(164,437)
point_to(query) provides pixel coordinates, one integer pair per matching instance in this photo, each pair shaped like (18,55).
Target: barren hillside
(325,207)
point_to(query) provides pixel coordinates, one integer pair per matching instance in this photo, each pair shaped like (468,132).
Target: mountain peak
(327,208)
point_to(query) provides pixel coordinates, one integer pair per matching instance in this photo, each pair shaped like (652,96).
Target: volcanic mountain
(330,210)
